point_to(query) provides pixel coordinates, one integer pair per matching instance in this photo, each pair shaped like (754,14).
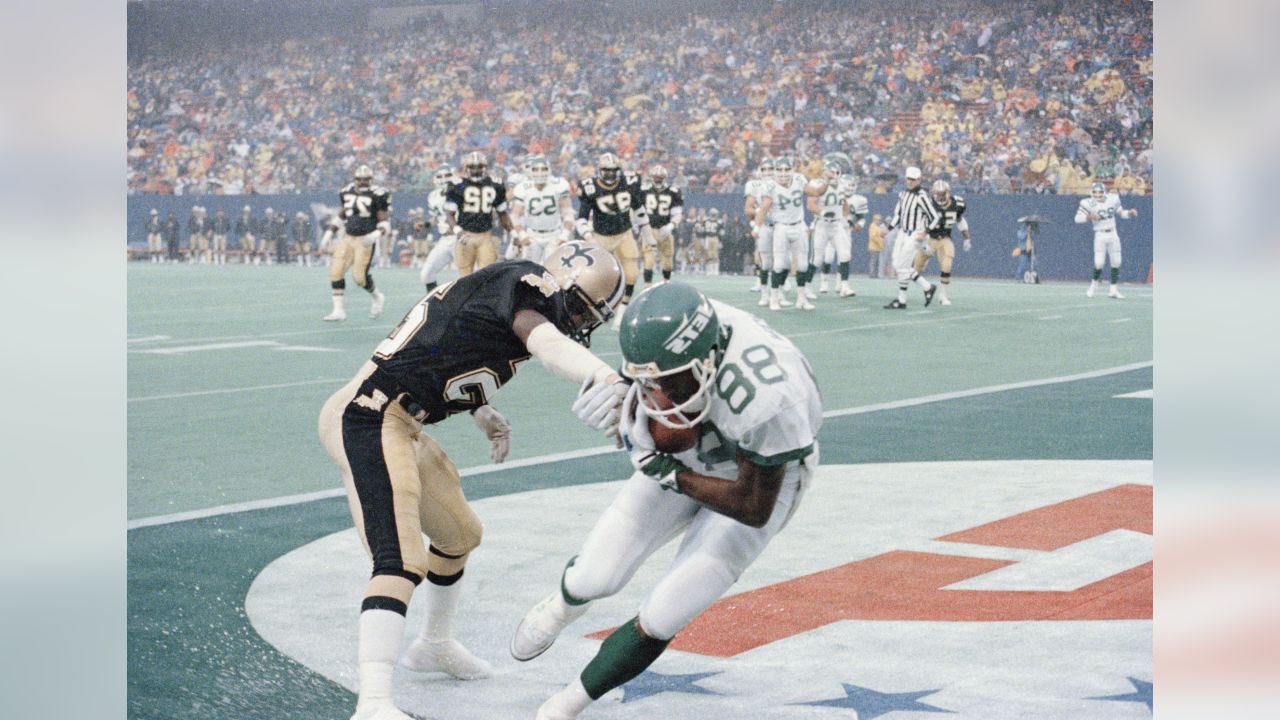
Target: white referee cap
(913,173)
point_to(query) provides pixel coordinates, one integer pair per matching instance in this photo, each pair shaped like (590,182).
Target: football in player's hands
(817,186)
(666,439)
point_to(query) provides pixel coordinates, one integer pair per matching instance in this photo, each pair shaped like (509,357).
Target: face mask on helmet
(765,171)
(942,192)
(475,166)
(1098,192)
(364,176)
(659,176)
(831,171)
(610,170)
(540,172)
(782,171)
(590,279)
(442,178)
(671,341)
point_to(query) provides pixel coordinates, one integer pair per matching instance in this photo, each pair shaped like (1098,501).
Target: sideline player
(1102,208)
(950,214)
(763,234)
(541,212)
(751,473)
(784,202)
(441,253)
(610,206)
(364,208)
(470,203)
(399,481)
(665,205)
(833,223)
(155,242)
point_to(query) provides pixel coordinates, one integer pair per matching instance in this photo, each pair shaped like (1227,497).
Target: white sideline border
(604,449)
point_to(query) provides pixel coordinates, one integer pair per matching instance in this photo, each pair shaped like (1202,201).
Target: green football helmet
(666,330)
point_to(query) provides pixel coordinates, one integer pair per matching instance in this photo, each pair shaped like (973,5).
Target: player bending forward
(755,398)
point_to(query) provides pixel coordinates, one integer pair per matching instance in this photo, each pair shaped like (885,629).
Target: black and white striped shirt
(913,211)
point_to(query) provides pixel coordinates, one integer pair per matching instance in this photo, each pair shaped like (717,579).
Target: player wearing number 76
(697,363)
(448,355)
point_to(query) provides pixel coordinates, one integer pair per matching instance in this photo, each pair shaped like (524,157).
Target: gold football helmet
(475,166)
(658,175)
(942,192)
(608,169)
(363,176)
(590,279)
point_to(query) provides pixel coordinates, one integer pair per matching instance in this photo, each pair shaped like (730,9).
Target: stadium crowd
(1027,96)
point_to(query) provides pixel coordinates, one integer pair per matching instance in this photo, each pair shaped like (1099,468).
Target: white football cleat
(808,292)
(384,710)
(774,303)
(1092,287)
(378,301)
(802,303)
(335,316)
(1115,293)
(822,287)
(846,291)
(446,656)
(782,299)
(765,295)
(541,626)
(945,301)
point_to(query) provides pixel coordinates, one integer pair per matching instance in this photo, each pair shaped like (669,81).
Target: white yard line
(225,391)
(604,449)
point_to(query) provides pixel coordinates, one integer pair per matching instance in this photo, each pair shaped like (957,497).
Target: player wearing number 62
(448,355)
(469,205)
(755,400)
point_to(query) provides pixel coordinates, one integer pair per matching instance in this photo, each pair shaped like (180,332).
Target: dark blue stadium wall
(1065,250)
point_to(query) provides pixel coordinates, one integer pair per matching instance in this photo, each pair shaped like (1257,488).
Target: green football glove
(663,468)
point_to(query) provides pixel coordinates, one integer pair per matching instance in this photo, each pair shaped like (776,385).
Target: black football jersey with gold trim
(456,347)
(360,207)
(475,202)
(610,208)
(947,217)
(660,203)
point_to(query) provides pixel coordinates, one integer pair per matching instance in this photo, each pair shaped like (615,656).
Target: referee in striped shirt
(911,216)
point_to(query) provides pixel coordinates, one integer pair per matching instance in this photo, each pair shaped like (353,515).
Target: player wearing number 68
(451,353)
(755,400)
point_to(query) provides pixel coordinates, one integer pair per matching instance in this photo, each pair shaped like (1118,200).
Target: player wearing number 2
(364,209)
(470,204)
(754,398)
(448,355)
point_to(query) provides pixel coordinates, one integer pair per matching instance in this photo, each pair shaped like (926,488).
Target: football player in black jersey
(365,208)
(665,206)
(450,354)
(470,204)
(950,214)
(610,204)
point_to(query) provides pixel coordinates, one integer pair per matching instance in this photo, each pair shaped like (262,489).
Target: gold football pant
(399,484)
(475,251)
(664,248)
(623,246)
(944,249)
(354,254)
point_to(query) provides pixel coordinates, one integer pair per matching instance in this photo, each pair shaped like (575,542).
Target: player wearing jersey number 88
(753,395)
(400,482)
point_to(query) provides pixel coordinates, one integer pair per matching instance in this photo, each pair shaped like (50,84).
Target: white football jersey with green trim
(541,204)
(765,400)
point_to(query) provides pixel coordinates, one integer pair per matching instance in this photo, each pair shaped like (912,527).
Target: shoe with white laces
(928,294)
(846,291)
(541,626)
(1115,293)
(802,303)
(765,294)
(945,301)
(1093,286)
(378,301)
(446,656)
(782,299)
(775,302)
(808,292)
(942,295)
(822,286)
(896,305)
(335,316)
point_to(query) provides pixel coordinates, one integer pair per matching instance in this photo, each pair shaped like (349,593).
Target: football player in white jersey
(754,397)
(1102,208)
(541,212)
(442,251)
(784,202)
(763,234)
(831,226)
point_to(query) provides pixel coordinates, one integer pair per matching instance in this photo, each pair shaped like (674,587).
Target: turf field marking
(1051,317)
(604,449)
(225,391)
(1139,395)
(146,338)
(1120,320)
(935,318)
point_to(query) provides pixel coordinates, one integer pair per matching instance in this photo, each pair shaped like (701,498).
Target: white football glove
(634,428)
(967,244)
(496,428)
(928,251)
(599,405)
